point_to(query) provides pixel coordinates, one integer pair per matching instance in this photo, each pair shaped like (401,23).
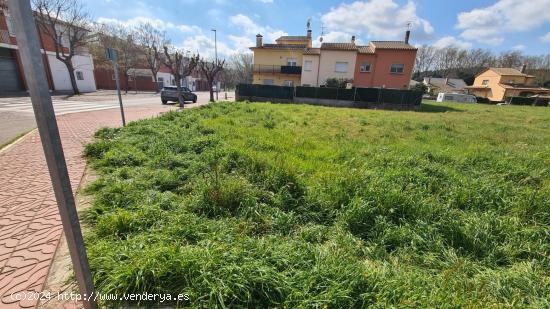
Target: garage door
(9,74)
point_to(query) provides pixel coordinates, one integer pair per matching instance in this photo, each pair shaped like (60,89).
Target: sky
(497,25)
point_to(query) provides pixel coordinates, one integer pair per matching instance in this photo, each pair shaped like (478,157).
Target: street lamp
(216,54)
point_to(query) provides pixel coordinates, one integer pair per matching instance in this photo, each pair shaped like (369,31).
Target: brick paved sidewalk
(30,227)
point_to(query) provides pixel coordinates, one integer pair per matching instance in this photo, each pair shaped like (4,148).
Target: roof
(312,51)
(365,50)
(339,46)
(392,45)
(292,38)
(506,72)
(453,83)
(281,46)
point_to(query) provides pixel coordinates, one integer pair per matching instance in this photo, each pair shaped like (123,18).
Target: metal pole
(216,53)
(33,67)
(115,66)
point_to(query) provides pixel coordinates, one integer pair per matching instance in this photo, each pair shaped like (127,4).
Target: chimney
(309,33)
(259,39)
(353,39)
(523,67)
(309,43)
(407,36)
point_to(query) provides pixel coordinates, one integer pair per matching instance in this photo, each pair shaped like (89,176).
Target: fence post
(355,94)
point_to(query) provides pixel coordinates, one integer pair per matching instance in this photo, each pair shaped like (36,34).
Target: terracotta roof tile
(312,51)
(507,71)
(339,46)
(365,50)
(281,46)
(392,45)
(292,38)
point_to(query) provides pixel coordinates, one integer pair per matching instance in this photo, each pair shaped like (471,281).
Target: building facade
(279,63)
(496,84)
(293,61)
(12,79)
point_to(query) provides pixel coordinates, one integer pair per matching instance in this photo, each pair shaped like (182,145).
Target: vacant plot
(272,205)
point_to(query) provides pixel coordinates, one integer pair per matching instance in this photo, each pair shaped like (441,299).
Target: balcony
(4,36)
(277,69)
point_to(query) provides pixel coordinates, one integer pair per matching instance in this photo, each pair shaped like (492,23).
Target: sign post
(35,75)
(112,55)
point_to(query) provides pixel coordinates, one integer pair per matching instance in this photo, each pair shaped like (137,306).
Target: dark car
(171,94)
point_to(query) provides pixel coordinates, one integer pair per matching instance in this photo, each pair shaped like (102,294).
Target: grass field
(269,205)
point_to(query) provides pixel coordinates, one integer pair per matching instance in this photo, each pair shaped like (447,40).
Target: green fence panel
(327,93)
(369,95)
(306,92)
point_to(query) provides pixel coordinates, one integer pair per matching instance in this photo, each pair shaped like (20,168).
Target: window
(485,82)
(79,75)
(268,82)
(288,83)
(9,23)
(365,67)
(341,67)
(291,62)
(308,65)
(397,68)
(160,80)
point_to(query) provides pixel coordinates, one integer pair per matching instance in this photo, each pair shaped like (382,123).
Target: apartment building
(11,74)
(280,63)
(293,61)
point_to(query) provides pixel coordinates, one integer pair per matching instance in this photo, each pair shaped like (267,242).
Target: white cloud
(450,41)
(490,24)
(519,47)
(266,1)
(545,38)
(379,19)
(251,29)
(155,22)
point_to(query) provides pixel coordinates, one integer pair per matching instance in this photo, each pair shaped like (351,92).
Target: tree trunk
(180,97)
(126,76)
(70,69)
(155,81)
(211,90)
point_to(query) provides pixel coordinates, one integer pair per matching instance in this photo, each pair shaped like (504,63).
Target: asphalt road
(17,116)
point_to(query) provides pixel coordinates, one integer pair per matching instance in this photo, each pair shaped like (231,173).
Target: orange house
(385,64)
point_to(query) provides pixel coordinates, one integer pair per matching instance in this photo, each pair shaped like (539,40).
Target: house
(332,60)
(496,84)
(280,63)
(293,61)
(444,85)
(11,73)
(385,64)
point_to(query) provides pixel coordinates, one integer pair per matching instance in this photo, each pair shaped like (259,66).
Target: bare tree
(242,65)
(152,42)
(210,69)
(122,39)
(180,66)
(425,58)
(67,24)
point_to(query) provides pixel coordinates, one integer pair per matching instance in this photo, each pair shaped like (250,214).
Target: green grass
(280,205)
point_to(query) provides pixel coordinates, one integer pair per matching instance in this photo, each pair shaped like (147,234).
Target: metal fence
(363,97)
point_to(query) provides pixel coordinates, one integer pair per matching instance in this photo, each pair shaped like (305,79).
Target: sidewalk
(30,227)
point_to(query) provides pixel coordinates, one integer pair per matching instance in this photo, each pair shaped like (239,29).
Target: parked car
(170,93)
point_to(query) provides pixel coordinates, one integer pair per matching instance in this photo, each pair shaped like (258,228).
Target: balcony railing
(277,69)
(4,36)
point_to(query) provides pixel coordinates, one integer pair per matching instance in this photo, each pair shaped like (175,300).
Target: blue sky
(497,25)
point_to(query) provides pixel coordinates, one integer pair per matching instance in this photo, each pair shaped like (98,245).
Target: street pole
(216,53)
(35,75)
(112,55)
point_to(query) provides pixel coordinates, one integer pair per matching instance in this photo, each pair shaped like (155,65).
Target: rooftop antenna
(409,25)
(322,33)
(309,23)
